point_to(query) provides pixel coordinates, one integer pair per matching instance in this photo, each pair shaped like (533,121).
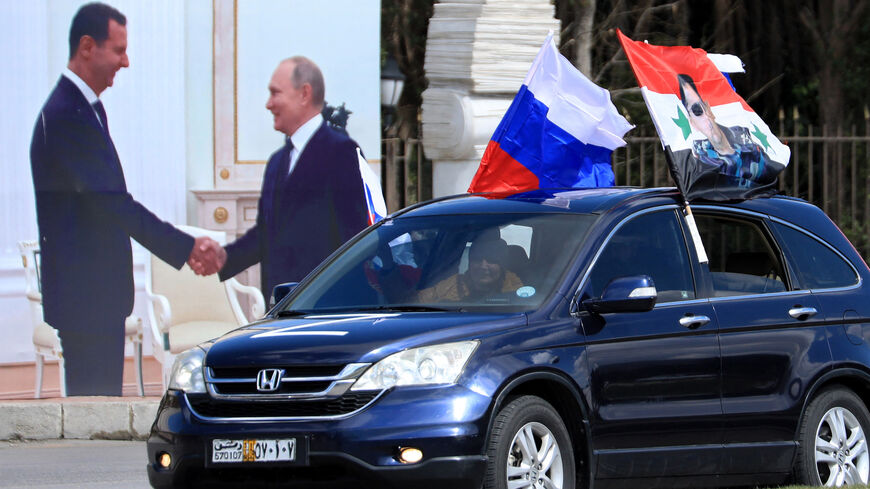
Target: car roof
(596,201)
(580,201)
(793,210)
(607,199)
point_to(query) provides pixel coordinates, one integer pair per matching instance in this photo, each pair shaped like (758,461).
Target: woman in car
(486,275)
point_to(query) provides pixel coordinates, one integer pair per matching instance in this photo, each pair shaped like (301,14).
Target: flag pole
(687,213)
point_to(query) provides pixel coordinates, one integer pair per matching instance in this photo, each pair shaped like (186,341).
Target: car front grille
(205,406)
(286,382)
(285,388)
(289,371)
(307,391)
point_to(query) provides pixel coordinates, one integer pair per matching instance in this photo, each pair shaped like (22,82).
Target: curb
(81,418)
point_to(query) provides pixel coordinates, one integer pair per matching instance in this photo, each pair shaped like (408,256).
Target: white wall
(198,89)
(22,86)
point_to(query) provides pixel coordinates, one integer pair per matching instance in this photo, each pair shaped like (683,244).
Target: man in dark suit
(312,198)
(85,214)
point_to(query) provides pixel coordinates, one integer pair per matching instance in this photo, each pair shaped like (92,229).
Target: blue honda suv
(549,339)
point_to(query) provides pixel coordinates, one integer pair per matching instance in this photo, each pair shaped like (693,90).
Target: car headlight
(437,364)
(187,371)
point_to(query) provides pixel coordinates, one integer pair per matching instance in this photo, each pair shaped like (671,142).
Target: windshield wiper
(286,313)
(408,308)
(339,310)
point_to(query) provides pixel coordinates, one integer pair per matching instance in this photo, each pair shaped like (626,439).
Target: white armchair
(186,309)
(46,341)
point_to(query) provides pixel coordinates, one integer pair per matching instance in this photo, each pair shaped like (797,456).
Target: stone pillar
(477,54)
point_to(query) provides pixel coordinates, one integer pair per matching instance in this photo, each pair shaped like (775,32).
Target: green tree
(404,27)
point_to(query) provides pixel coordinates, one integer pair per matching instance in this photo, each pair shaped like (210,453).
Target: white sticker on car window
(526,291)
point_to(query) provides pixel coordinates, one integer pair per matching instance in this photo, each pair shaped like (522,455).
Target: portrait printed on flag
(731,150)
(718,148)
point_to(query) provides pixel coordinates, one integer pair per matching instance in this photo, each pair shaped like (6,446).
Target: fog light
(409,455)
(164,459)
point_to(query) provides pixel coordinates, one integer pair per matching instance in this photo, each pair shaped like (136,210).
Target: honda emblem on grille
(268,380)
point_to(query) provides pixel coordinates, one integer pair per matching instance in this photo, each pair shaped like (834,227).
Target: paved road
(81,464)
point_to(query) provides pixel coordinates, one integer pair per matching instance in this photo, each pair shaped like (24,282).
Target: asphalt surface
(91,464)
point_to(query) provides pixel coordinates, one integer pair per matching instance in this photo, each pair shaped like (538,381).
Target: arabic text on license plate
(230,451)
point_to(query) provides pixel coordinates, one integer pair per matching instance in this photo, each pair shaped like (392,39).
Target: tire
(833,441)
(529,421)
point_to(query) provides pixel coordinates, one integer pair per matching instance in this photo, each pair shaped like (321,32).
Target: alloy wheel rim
(841,453)
(534,460)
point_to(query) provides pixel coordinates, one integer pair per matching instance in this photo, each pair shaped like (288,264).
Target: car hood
(349,338)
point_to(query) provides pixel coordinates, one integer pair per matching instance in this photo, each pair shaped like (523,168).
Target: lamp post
(392,82)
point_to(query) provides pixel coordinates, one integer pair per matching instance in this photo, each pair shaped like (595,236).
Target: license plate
(259,450)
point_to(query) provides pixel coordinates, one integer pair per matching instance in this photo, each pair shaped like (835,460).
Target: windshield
(485,262)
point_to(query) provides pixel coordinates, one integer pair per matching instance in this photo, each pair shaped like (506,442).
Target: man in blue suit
(312,198)
(85,214)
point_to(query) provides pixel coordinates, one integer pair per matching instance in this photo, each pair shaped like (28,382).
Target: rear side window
(650,244)
(743,260)
(818,267)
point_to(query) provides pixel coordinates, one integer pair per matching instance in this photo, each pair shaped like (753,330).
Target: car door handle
(693,322)
(802,313)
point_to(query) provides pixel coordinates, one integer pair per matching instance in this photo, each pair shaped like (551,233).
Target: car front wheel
(833,441)
(529,448)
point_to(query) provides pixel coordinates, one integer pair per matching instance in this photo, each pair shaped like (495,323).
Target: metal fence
(406,174)
(828,167)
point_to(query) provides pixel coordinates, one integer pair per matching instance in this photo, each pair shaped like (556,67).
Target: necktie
(284,169)
(98,106)
(282,177)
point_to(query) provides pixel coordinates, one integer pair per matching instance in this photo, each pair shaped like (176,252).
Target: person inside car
(486,275)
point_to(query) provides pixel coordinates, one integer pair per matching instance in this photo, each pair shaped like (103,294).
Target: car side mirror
(281,291)
(625,294)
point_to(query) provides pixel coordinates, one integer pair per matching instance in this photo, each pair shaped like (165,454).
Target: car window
(818,267)
(492,262)
(743,259)
(650,244)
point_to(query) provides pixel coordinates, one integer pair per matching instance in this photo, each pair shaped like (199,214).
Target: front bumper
(447,423)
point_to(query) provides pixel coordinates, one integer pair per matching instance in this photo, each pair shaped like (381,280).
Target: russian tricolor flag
(559,131)
(377,208)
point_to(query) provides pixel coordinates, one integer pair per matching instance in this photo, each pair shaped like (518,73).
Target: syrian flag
(559,131)
(718,148)
(377,208)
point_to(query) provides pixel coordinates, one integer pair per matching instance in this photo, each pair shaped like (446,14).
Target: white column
(477,55)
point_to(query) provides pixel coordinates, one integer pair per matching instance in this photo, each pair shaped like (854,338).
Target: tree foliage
(812,56)
(809,55)
(404,26)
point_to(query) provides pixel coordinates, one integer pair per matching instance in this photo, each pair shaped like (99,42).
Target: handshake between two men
(207,256)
